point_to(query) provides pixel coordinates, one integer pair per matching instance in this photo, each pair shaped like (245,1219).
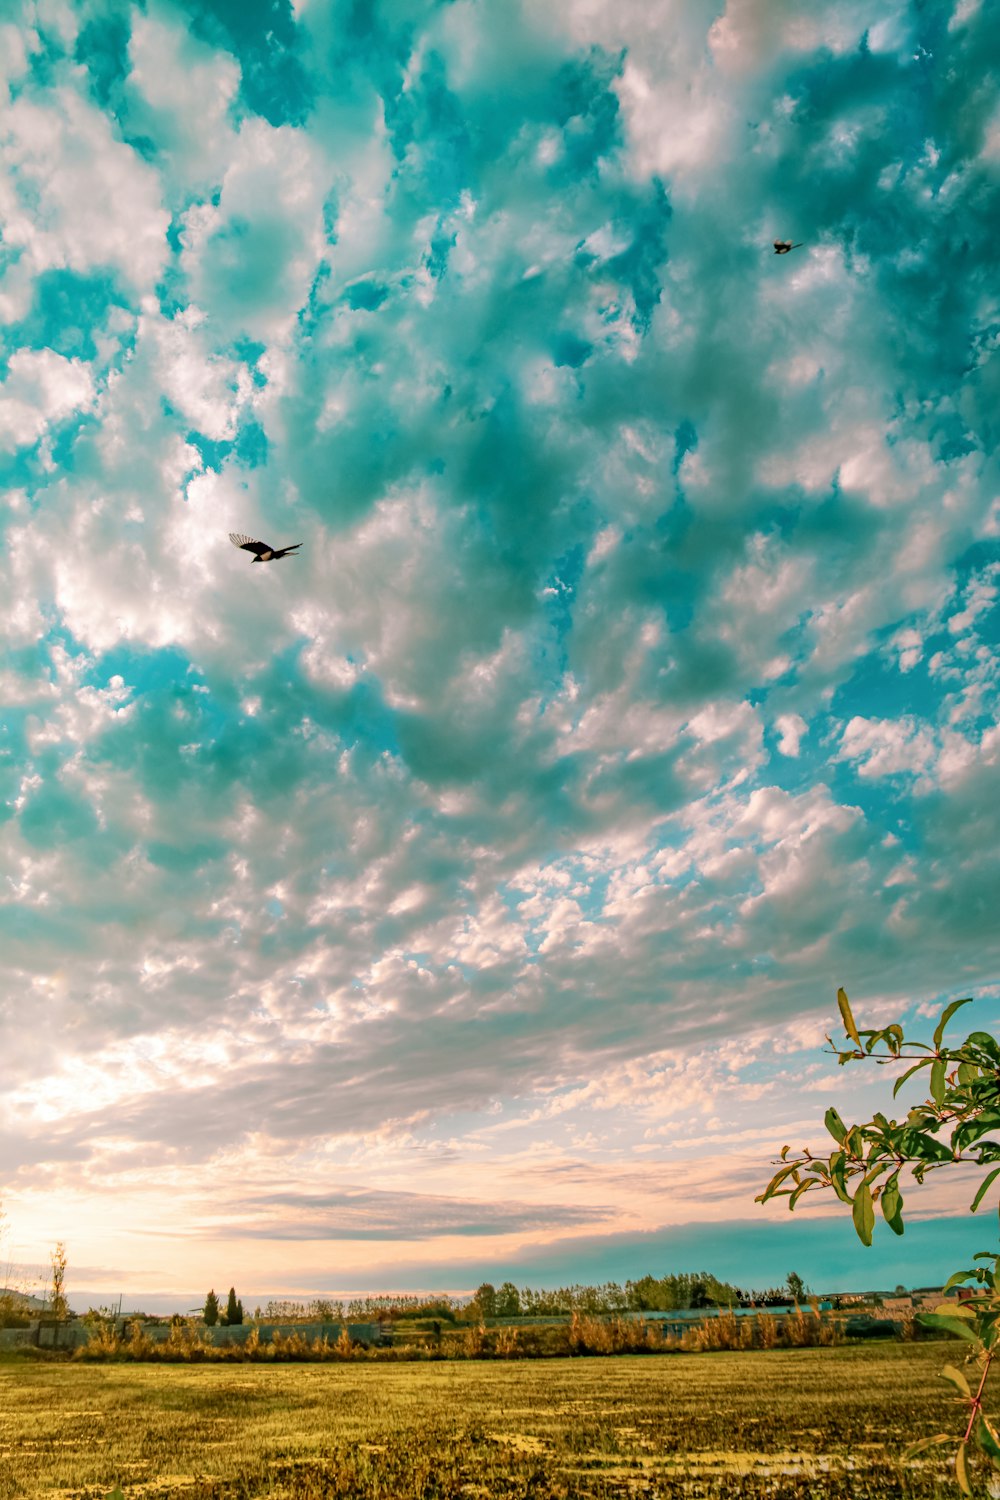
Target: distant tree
(13,1313)
(59,1308)
(211,1313)
(234,1310)
(486,1300)
(614,1297)
(796,1287)
(699,1294)
(673,1292)
(508,1301)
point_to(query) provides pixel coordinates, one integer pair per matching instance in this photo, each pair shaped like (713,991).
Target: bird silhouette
(782,247)
(263,552)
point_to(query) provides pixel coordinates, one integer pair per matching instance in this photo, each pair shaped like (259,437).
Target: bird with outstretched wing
(262,552)
(782,247)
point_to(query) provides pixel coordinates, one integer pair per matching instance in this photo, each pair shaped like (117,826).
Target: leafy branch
(950,1127)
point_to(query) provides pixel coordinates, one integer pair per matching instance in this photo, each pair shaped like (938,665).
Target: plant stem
(977,1400)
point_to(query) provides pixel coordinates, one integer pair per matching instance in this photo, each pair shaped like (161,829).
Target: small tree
(486,1300)
(508,1301)
(59,1308)
(211,1313)
(964,1101)
(796,1287)
(234,1309)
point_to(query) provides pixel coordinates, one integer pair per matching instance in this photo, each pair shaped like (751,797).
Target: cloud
(41,388)
(396,1216)
(73,195)
(636,682)
(791,728)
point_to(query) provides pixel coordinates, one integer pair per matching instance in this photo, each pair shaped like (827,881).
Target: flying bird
(263,553)
(782,247)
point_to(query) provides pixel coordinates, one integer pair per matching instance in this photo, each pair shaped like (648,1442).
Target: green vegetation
(12,1311)
(796,1287)
(670,1293)
(964,1103)
(186,1342)
(795,1424)
(234,1310)
(58,1307)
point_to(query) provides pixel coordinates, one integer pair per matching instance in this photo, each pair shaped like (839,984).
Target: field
(823,1423)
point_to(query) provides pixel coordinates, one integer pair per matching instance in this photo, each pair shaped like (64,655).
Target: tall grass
(584,1334)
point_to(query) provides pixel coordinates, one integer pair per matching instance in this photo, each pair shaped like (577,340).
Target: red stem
(977,1400)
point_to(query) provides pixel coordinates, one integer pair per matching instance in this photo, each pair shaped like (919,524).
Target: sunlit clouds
(474,887)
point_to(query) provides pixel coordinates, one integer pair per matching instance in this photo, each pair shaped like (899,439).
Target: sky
(466,895)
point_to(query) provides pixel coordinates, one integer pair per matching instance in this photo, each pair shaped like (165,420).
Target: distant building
(31,1306)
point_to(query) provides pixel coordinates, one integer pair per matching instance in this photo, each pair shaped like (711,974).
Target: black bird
(263,552)
(782,247)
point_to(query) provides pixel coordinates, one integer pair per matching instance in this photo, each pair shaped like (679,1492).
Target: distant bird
(782,247)
(264,553)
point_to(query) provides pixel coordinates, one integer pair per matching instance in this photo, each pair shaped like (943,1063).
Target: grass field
(823,1423)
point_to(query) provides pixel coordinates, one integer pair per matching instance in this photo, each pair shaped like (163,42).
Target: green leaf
(958,1380)
(838,1176)
(894,1037)
(984,1187)
(985,1043)
(961,1473)
(835,1125)
(776,1182)
(872,1176)
(797,1194)
(864,1214)
(949,1011)
(955,1326)
(892,1204)
(986,1437)
(923,1444)
(845,1015)
(955,1309)
(957,1277)
(920,1143)
(923,1063)
(967,1072)
(937,1081)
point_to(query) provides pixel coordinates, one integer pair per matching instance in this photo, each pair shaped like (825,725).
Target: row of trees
(213,1314)
(692,1289)
(672,1293)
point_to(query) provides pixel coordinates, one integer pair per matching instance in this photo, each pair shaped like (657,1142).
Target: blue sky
(472,889)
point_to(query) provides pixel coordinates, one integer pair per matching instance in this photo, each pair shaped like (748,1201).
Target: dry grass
(802,1423)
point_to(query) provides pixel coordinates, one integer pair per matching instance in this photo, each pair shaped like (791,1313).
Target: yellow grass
(816,1422)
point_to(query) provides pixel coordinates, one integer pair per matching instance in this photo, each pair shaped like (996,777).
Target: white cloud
(252,258)
(180,92)
(886,747)
(41,388)
(791,728)
(73,195)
